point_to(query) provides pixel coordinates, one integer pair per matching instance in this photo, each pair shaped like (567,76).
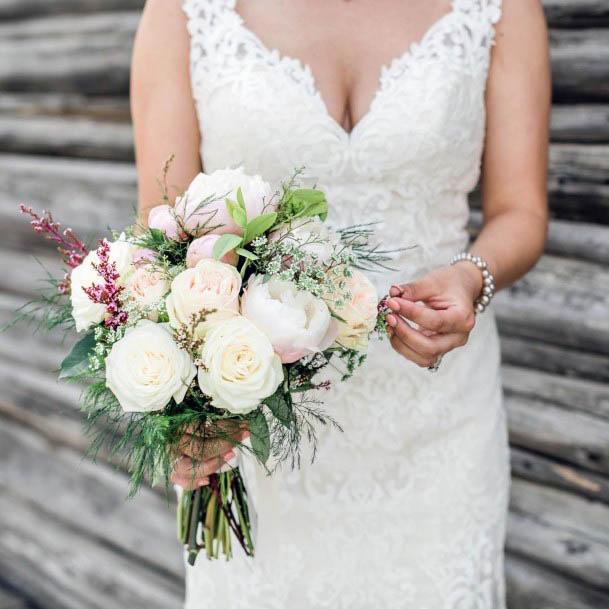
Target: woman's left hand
(442,304)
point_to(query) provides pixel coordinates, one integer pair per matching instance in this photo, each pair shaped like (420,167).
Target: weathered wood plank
(24,105)
(587,123)
(33,468)
(572,436)
(559,530)
(562,301)
(576,13)
(530,586)
(549,472)
(570,363)
(580,240)
(22,9)
(570,393)
(69,569)
(580,64)
(73,136)
(8,600)
(78,54)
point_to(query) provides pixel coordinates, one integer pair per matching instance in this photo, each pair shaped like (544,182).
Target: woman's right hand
(199,458)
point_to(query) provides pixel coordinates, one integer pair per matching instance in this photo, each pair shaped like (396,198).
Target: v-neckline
(306,70)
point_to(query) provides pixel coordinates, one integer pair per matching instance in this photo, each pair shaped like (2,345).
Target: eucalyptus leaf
(260,436)
(77,361)
(225,244)
(259,225)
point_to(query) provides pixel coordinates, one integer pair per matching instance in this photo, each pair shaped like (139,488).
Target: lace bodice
(406,508)
(409,162)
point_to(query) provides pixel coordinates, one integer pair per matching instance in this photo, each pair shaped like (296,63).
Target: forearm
(511,242)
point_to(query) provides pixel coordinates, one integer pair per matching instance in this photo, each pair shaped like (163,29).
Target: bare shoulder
(522,27)
(162,28)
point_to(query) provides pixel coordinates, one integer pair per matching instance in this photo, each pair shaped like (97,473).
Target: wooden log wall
(67,538)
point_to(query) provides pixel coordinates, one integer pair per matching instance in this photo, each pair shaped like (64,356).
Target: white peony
(311,235)
(199,217)
(358,312)
(146,368)
(239,368)
(296,322)
(85,312)
(146,287)
(211,285)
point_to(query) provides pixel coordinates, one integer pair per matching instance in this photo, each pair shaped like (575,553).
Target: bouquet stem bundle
(208,515)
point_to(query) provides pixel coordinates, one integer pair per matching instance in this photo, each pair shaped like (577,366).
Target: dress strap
(489,11)
(207,11)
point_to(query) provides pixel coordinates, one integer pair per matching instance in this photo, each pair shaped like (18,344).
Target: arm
(165,124)
(514,193)
(162,106)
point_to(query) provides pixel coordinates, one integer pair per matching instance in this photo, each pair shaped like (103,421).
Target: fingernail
(202,481)
(391,320)
(229,455)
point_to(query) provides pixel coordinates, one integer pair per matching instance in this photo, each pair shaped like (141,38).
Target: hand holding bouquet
(214,322)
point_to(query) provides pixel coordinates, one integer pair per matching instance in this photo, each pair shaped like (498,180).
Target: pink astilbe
(109,292)
(71,248)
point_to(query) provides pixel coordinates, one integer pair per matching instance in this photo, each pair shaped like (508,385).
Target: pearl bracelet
(488,287)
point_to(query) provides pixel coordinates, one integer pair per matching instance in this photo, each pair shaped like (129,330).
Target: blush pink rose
(143,255)
(163,218)
(203,247)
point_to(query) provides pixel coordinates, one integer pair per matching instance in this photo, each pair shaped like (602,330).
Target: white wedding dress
(405,509)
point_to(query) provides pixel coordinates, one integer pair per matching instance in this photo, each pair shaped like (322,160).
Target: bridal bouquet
(214,319)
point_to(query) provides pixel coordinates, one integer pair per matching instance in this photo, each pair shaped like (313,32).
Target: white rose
(238,366)
(211,285)
(296,322)
(199,216)
(85,312)
(358,311)
(146,368)
(311,235)
(146,287)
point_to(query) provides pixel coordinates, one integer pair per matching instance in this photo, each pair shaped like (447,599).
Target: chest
(344,43)
(262,104)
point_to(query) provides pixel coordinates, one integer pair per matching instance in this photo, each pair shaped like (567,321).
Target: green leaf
(225,244)
(77,361)
(279,404)
(237,213)
(246,253)
(240,199)
(258,226)
(310,202)
(260,436)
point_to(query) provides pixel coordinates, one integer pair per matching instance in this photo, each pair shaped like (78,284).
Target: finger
(186,467)
(416,290)
(195,447)
(188,484)
(409,354)
(454,319)
(428,346)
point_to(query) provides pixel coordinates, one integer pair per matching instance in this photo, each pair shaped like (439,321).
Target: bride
(395,108)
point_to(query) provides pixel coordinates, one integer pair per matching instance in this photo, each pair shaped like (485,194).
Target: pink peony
(203,206)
